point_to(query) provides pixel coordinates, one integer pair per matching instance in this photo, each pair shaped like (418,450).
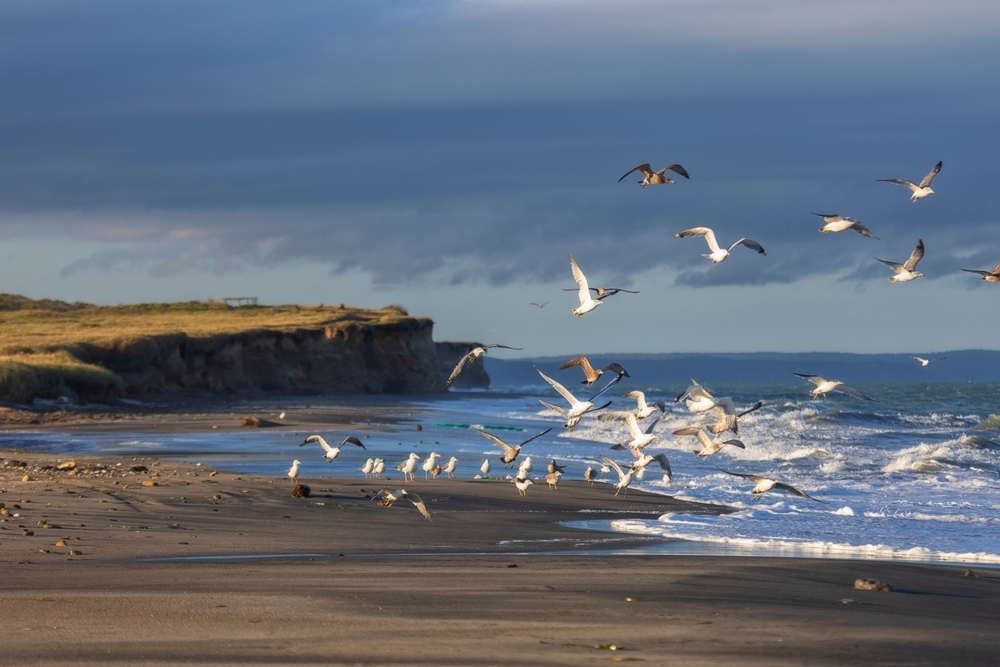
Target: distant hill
(768,368)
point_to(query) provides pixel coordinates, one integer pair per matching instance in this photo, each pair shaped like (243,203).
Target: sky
(448,156)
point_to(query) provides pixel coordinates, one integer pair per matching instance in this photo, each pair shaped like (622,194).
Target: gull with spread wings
(717,253)
(650,177)
(989,276)
(593,374)
(390,496)
(840,223)
(333,452)
(642,409)
(698,399)
(509,453)
(824,386)
(577,408)
(708,446)
(640,438)
(475,353)
(587,303)
(908,270)
(624,478)
(728,418)
(919,191)
(765,484)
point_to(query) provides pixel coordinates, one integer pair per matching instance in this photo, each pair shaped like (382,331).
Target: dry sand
(376,585)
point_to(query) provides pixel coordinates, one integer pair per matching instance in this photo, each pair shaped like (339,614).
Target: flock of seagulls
(696,398)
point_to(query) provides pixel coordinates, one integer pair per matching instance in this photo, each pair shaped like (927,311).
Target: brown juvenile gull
(765,484)
(907,270)
(509,453)
(718,254)
(471,357)
(839,223)
(555,467)
(919,191)
(390,496)
(651,177)
(552,479)
(592,374)
(989,276)
(332,452)
(708,446)
(824,386)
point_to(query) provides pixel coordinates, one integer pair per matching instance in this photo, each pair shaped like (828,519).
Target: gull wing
(582,362)
(996,269)
(616,368)
(792,489)
(864,231)
(495,440)
(650,429)
(844,389)
(534,437)
(982,273)
(320,440)
(418,502)
(559,388)
(458,369)
(608,416)
(696,431)
(561,411)
(893,265)
(615,380)
(900,181)
(351,440)
(581,280)
(815,379)
(505,347)
(695,392)
(676,168)
(664,464)
(833,217)
(542,305)
(617,468)
(750,243)
(915,256)
(646,170)
(595,408)
(735,443)
(930,177)
(633,425)
(752,478)
(709,235)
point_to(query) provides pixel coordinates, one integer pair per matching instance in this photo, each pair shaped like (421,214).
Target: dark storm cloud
(457,143)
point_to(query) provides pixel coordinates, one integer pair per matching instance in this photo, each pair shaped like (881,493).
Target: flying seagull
(603,292)
(332,452)
(989,276)
(540,306)
(824,386)
(624,478)
(698,398)
(577,408)
(839,223)
(718,254)
(908,270)
(471,357)
(651,177)
(728,418)
(708,446)
(587,304)
(509,453)
(643,459)
(924,362)
(640,438)
(389,498)
(592,374)
(765,484)
(919,191)
(644,410)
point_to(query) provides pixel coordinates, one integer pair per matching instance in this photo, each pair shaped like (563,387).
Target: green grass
(26,376)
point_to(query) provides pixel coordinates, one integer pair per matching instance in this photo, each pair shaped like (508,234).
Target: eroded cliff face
(398,358)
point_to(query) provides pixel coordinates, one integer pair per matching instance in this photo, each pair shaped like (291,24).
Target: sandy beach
(143,561)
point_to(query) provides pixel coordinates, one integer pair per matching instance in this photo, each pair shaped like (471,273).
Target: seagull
(281,416)
(525,468)
(919,191)
(540,306)
(989,276)
(378,468)
(839,223)
(640,438)
(603,292)
(708,446)
(552,479)
(624,478)
(765,484)
(587,304)
(409,466)
(718,254)
(522,485)
(589,474)
(476,353)
(824,387)
(908,270)
(430,463)
(924,362)
(728,417)
(485,468)
(332,452)
(668,474)
(643,409)
(368,467)
(510,453)
(293,472)
(577,408)
(555,467)
(449,467)
(698,398)
(592,374)
(389,498)
(651,177)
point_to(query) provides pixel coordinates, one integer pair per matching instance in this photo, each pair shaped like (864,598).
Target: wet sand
(162,577)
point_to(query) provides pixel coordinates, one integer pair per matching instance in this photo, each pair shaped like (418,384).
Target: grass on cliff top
(23,377)
(30,327)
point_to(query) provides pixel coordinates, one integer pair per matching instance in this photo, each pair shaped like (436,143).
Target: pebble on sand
(301,491)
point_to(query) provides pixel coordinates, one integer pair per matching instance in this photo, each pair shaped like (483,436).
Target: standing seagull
(430,463)
(293,472)
(839,223)
(587,304)
(409,466)
(718,254)
(485,468)
(476,353)
(522,485)
(509,453)
(824,386)
(589,474)
(651,177)
(332,452)
(989,276)
(449,467)
(924,362)
(593,374)
(765,484)
(919,191)
(908,270)
(624,478)
(368,467)
(708,446)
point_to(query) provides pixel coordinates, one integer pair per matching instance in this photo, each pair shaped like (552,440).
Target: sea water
(893,478)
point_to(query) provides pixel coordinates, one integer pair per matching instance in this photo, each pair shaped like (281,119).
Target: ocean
(894,478)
